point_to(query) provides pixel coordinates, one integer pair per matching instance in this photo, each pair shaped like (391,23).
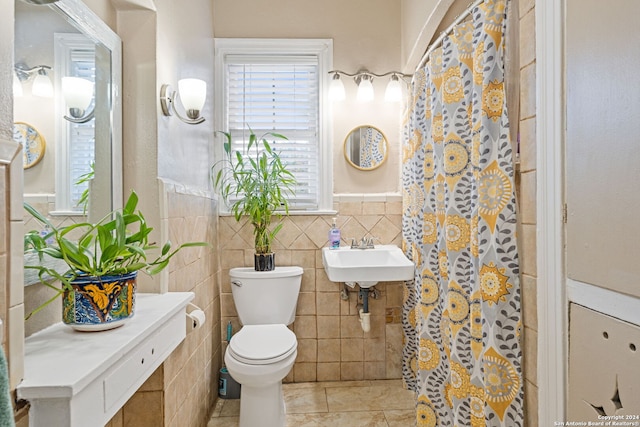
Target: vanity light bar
(363,79)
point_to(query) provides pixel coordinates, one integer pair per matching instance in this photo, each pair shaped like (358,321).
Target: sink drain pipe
(365,316)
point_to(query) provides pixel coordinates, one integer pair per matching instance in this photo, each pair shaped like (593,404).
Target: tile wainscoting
(182,391)
(331,343)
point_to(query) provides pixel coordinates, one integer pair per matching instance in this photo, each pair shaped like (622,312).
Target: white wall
(185,49)
(34,29)
(366,34)
(418,23)
(105,10)
(602,161)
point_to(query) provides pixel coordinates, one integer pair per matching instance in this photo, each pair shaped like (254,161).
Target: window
(278,86)
(75,57)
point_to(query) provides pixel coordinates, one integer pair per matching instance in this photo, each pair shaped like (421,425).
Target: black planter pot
(264,262)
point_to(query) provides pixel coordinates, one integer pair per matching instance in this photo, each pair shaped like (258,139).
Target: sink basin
(384,263)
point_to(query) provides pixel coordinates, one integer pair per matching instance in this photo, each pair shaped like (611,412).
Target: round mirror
(365,148)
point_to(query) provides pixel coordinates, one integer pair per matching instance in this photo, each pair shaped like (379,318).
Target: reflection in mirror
(365,148)
(80,175)
(74,59)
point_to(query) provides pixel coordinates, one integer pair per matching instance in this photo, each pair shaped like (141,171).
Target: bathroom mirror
(69,40)
(365,148)
(83,157)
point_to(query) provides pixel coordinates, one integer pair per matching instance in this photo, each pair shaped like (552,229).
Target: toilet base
(262,406)
(261,398)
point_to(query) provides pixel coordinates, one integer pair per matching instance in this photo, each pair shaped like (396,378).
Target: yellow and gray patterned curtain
(461,315)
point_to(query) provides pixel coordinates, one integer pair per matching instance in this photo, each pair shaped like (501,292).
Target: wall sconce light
(41,86)
(192,93)
(77,93)
(364,79)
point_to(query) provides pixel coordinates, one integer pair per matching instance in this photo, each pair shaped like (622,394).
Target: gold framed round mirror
(366,148)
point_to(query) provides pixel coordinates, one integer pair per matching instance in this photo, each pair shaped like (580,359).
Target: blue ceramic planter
(99,303)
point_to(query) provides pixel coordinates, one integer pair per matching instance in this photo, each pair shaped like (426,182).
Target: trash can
(228,388)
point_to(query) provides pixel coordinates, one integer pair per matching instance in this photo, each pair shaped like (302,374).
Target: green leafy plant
(117,244)
(82,179)
(256,182)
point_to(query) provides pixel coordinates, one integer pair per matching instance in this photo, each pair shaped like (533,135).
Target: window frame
(323,49)
(66,46)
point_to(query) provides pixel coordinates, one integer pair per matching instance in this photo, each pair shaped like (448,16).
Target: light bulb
(193,93)
(336,89)
(365,89)
(42,85)
(77,94)
(393,93)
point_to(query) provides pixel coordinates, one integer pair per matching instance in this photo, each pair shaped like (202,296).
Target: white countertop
(60,362)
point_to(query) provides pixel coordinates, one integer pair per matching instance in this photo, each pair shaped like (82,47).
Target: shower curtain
(371,152)
(461,315)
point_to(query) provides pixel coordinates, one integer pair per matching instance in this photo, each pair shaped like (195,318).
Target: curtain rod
(443,34)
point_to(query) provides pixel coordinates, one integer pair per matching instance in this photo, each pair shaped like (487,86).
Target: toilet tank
(266,297)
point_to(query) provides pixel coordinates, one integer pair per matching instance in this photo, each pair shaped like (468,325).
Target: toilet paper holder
(195,317)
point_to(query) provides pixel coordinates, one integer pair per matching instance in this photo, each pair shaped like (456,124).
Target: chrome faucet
(364,243)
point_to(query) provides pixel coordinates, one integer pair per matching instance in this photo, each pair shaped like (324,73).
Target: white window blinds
(274,93)
(81,135)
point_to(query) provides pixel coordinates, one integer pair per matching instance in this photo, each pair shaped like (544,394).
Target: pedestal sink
(383,263)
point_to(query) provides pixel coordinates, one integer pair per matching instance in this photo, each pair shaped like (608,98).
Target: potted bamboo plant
(255,182)
(101,262)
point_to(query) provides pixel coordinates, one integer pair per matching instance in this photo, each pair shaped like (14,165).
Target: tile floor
(382,403)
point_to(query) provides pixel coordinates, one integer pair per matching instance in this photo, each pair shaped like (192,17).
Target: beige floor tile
(223,422)
(400,418)
(218,408)
(230,408)
(330,384)
(381,403)
(305,400)
(368,398)
(388,383)
(342,419)
(289,388)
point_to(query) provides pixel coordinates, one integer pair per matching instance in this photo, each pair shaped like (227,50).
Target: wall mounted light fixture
(41,85)
(364,79)
(78,93)
(192,93)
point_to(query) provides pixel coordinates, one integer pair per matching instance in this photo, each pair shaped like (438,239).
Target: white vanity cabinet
(79,379)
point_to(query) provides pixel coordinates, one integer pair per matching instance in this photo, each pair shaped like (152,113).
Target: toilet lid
(262,344)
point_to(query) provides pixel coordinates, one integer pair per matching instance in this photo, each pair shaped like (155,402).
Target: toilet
(263,351)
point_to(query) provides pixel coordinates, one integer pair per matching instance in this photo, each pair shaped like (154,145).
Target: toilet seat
(262,344)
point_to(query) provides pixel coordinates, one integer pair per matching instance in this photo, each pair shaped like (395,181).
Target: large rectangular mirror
(73,147)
